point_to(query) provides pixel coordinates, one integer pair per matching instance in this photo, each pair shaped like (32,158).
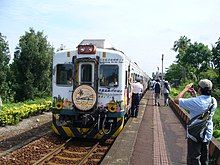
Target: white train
(92,90)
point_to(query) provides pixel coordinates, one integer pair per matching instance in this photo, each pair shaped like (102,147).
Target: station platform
(155,137)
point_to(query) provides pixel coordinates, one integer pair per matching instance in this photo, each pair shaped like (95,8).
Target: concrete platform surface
(156,137)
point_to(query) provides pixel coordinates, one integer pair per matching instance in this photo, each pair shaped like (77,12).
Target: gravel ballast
(13,137)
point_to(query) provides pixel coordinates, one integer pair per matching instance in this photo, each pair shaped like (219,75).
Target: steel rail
(51,154)
(88,154)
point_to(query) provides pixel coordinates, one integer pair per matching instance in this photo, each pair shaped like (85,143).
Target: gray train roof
(99,43)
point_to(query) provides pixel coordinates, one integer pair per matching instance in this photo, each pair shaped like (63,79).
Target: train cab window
(86,74)
(109,75)
(64,74)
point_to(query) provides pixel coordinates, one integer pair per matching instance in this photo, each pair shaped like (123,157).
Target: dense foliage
(11,114)
(4,68)
(32,67)
(216,59)
(29,75)
(195,61)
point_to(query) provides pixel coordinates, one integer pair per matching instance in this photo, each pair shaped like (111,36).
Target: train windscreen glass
(109,75)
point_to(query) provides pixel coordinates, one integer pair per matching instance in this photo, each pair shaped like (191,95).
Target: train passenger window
(86,74)
(109,75)
(64,74)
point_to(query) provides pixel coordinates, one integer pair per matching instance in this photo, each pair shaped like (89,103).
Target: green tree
(32,66)
(193,59)
(4,67)
(216,58)
(181,46)
(209,74)
(197,57)
(175,72)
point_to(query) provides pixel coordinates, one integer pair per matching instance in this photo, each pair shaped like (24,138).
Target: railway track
(53,151)
(72,153)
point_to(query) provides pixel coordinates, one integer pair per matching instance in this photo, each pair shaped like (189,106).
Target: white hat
(205,83)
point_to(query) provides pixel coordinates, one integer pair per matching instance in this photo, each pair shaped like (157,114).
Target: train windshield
(109,75)
(64,74)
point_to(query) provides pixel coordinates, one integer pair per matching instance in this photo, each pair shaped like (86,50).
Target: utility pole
(162,67)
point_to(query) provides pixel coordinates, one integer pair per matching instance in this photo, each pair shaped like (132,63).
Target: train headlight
(86,49)
(112,106)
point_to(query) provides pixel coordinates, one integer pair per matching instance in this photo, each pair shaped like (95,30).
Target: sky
(142,29)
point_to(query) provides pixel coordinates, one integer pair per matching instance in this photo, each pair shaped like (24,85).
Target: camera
(192,91)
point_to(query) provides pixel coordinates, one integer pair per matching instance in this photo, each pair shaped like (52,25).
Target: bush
(216,133)
(11,114)
(216,94)
(174,92)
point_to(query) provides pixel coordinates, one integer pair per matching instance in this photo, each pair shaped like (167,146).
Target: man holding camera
(197,152)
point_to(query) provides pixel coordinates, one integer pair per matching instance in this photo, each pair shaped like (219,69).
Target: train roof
(99,43)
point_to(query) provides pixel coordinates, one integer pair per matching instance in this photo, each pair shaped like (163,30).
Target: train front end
(88,92)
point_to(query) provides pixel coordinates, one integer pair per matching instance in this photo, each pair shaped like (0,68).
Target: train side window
(109,75)
(64,74)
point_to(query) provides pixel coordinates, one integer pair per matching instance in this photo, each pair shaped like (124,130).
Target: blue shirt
(198,105)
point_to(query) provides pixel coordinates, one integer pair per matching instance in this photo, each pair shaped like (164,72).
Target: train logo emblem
(84,97)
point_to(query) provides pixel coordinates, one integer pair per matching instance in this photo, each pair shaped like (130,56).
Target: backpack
(166,85)
(197,126)
(157,87)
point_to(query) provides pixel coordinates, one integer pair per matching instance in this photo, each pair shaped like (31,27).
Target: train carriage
(92,90)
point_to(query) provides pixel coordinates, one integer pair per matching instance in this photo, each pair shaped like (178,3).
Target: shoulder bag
(197,126)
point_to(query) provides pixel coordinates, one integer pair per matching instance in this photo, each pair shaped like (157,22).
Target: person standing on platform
(152,82)
(197,151)
(166,91)
(157,90)
(137,89)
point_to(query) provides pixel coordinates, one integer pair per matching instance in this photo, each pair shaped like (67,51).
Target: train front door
(87,73)
(86,85)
